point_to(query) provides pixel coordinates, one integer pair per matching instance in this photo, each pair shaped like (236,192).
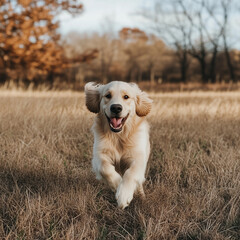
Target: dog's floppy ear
(143,104)
(92,96)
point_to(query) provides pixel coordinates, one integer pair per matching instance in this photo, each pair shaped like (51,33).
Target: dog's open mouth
(116,123)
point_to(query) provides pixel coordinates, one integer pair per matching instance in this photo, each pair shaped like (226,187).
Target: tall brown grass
(47,189)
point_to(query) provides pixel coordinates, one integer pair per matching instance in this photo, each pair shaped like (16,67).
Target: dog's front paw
(124,196)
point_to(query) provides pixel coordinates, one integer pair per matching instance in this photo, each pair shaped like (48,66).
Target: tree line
(186,41)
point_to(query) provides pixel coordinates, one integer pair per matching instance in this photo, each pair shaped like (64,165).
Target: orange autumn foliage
(29,39)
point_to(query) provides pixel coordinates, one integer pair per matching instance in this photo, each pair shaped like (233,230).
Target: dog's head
(117,101)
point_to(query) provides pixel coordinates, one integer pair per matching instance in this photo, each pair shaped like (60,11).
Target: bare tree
(170,25)
(198,28)
(201,20)
(226,6)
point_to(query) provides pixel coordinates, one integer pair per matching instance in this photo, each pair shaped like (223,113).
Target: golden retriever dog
(121,136)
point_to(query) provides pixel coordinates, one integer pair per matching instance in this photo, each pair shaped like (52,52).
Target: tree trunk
(51,78)
(152,77)
(229,61)
(182,56)
(3,74)
(213,65)
(203,71)
(184,66)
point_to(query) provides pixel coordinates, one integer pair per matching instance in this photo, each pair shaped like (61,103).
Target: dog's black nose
(116,108)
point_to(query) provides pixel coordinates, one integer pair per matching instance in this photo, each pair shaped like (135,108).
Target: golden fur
(120,158)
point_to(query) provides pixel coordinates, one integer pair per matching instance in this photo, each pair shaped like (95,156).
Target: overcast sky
(104,15)
(98,14)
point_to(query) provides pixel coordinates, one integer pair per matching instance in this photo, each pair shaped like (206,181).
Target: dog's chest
(122,165)
(121,156)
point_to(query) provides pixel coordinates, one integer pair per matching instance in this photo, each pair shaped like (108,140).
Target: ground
(48,190)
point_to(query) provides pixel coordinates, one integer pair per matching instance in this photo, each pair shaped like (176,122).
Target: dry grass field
(47,189)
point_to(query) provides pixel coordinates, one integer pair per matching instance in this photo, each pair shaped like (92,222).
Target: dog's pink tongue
(116,122)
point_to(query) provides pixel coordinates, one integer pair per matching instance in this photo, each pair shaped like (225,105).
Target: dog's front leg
(104,168)
(132,180)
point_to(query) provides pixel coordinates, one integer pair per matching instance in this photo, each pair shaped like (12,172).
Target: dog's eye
(108,95)
(126,97)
